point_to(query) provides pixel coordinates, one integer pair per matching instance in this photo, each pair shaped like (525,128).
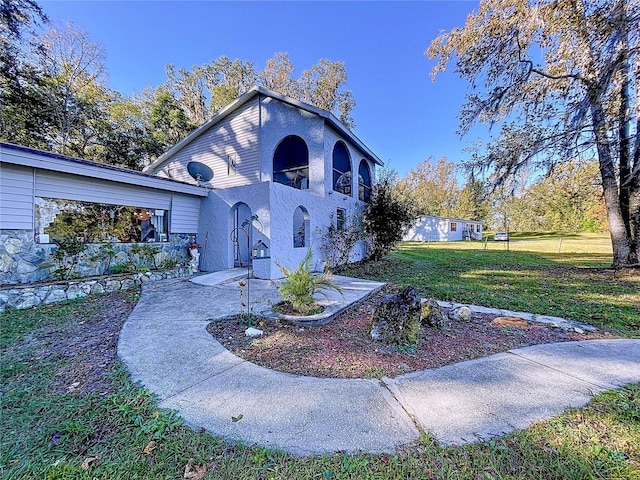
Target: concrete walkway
(166,347)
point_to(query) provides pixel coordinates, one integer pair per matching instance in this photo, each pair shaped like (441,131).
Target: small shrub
(146,254)
(385,218)
(123,268)
(169,262)
(106,253)
(337,243)
(300,285)
(67,256)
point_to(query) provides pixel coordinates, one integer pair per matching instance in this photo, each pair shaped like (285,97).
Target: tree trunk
(634,221)
(620,239)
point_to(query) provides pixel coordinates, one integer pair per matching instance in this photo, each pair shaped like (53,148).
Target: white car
(501,237)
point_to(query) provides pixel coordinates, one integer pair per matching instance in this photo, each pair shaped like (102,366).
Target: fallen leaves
(150,446)
(194,472)
(56,437)
(87,462)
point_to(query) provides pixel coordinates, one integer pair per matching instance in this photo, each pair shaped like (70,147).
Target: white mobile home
(431,228)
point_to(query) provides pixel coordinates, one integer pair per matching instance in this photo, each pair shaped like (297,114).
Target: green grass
(530,277)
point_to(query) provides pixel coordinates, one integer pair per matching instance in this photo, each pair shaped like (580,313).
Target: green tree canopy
(432,186)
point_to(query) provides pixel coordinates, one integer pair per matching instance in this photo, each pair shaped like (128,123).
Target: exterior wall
(274,204)
(16,196)
(216,223)
(428,229)
(279,120)
(322,212)
(72,187)
(20,185)
(27,175)
(235,136)
(184,214)
(438,229)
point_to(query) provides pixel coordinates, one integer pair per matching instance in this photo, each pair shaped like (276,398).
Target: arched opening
(364,182)
(240,237)
(301,227)
(341,169)
(291,163)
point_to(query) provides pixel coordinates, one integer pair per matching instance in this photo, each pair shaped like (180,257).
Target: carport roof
(31,157)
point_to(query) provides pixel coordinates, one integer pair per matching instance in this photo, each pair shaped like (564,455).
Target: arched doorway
(240,244)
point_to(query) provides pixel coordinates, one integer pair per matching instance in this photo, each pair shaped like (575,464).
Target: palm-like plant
(300,285)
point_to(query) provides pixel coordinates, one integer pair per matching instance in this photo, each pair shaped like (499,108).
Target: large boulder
(432,314)
(396,320)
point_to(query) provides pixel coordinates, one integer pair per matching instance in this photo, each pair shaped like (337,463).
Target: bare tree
(72,66)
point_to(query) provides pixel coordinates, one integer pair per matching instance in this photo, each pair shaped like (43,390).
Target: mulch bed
(344,349)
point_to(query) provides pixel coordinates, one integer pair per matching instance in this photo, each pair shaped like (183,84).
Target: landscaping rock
(112,286)
(509,322)
(460,314)
(74,291)
(432,314)
(253,332)
(396,320)
(57,294)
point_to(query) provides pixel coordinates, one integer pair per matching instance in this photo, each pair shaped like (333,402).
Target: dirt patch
(89,342)
(344,349)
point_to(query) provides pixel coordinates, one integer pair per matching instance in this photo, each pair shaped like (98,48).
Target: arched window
(341,169)
(291,163)
(300,227)
(364,182)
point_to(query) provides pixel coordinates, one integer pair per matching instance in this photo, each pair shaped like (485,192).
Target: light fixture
(231,163)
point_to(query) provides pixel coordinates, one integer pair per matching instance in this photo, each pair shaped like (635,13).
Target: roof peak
(253,92)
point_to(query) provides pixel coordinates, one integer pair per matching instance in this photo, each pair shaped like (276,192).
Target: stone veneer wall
(22,260)
(21,297)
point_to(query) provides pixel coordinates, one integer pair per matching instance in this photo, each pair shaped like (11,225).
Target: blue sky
(400,114)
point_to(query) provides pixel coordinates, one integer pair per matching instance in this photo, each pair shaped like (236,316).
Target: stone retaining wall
(21,297)
(23,260)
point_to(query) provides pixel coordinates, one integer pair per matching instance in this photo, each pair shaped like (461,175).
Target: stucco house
(282,168)
(294,166)
(432,228)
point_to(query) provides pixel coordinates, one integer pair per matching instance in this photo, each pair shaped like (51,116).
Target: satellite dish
(199,171)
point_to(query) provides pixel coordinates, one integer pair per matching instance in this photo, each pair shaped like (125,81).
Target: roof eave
(41,159)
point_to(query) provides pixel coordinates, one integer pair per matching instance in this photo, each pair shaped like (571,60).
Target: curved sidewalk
(166,347)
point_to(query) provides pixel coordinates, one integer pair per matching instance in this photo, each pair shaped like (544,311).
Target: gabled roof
(31,157)
(245,98)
